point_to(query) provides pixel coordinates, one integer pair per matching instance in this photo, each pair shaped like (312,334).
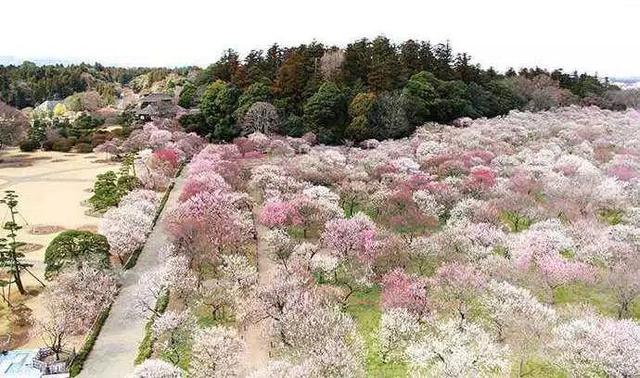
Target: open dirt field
(51,188)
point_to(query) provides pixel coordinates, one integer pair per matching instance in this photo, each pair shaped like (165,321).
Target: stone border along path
(117,345)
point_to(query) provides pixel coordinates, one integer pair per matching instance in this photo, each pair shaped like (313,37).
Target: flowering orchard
(506,247)
(82,292)
(158,154)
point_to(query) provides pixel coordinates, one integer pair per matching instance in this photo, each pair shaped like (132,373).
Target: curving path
(117,345)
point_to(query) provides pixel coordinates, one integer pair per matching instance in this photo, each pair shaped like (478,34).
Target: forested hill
(369,89)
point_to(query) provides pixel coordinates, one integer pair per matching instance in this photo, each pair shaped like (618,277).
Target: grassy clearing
(363,307)
(145,349)
(602,300)
(204,319)
(538,369)
(183,350)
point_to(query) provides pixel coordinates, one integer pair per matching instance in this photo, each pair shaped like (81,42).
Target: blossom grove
(506,247)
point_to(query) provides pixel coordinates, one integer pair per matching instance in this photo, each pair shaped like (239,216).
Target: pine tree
(384,75)
(11,259)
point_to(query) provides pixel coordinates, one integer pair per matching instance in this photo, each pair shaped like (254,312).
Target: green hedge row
(163,202)
(78,361)
(133,259)
(145,349)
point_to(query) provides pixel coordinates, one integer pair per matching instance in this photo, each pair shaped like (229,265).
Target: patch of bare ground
(20,160)
(101,161)
(88,227)
(15,164)
(90,212)
(15,320)
(50,196)
(332,293)
(41,229)
(30,247)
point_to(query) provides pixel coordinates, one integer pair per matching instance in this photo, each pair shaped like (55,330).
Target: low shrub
(105,191)
(84,148)
(110,187)
(28,145)
(47,145)
(100,137)
(62,145)
(89,342)
(145,349)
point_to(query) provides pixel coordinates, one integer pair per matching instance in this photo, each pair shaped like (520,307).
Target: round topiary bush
(29,145)
(62,145)
(47,145)
(84,148)
(74,249)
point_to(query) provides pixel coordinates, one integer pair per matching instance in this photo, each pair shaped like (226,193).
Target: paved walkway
(117,345)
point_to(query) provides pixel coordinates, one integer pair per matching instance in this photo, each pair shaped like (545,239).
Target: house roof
(155,97)
(149,110)
(160,110)
(17,364)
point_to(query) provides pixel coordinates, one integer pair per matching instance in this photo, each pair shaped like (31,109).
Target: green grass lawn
(538,369)
(602,300)
(364,307)
(184,350)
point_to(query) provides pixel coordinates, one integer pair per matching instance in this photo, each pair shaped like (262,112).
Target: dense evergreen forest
(369,89)
(28,84)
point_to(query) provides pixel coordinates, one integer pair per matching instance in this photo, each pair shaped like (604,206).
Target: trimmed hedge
(163,202)
(62,145)
(133,259)
(78,362)
(84,148)
(146,346)
(145,349)
(29,145)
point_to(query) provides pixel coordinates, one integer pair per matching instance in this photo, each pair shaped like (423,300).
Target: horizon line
(12,60)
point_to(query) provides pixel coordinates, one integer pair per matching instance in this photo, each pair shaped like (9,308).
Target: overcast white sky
(592,36)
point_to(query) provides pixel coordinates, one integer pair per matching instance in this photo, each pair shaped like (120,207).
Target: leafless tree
(331,62)
(261,117)
(13,125)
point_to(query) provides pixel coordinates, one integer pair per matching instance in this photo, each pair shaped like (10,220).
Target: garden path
(117,345)
(256,336)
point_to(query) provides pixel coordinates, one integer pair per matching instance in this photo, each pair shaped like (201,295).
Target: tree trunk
(18,281)
(346,298)
(623,310)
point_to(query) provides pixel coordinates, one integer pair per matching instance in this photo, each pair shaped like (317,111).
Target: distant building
(27,363)
(158,105)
